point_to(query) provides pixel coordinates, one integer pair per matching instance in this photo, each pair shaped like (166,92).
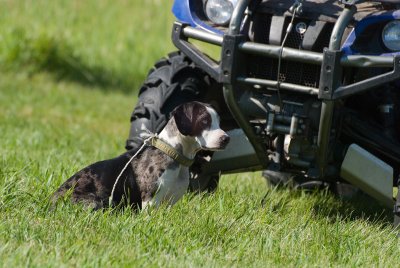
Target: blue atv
(308,90)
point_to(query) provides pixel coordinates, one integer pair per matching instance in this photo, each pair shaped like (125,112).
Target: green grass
(69,73)
(99,43)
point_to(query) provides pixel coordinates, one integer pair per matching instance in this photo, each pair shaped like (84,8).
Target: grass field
(69,74)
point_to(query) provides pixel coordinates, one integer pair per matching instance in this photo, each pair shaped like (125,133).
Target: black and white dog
(159,173)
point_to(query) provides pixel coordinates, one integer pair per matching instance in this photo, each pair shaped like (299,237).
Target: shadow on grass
(328,204)
(351,205)
(57,57)
(359,207)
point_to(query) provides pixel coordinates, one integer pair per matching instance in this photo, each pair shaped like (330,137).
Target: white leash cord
(126,165)
(278,82)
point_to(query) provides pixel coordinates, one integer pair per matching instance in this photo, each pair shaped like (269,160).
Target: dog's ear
(191,118)
(182,120)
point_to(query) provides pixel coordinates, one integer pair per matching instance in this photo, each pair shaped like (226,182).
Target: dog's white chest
(173,184)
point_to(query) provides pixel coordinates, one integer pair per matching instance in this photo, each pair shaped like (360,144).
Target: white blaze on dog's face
(201,122)
(212,137)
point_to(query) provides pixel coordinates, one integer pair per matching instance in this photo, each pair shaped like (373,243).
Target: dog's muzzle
(224,140)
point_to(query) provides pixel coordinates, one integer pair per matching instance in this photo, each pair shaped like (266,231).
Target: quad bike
(309,90)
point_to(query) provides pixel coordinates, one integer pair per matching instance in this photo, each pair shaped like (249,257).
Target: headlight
(391,35)
(220,11)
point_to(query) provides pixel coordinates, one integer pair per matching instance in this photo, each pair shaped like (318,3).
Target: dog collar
(170,151)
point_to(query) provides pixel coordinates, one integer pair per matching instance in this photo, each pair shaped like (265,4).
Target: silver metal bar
(237,16)
(229,90)
(287,53)
(314,57)
(360,86)
(203,35)
(273,84)
(328,106)
(367,61)
(290,53)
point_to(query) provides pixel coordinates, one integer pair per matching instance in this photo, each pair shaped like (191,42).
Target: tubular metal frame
(235,47)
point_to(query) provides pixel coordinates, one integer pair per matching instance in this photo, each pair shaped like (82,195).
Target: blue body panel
(184,12)
(363,24)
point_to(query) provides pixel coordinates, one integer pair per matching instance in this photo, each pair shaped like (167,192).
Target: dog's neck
(185,145)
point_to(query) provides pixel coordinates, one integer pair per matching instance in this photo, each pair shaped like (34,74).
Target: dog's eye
(204,122)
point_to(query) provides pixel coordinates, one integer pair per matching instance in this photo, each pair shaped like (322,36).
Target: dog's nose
(224,140)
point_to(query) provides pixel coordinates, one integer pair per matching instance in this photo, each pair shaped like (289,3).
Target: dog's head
(201,122)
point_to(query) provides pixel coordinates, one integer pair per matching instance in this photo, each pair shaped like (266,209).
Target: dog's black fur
(92,186)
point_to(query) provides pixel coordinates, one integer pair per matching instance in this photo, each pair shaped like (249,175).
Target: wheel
(171,82)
